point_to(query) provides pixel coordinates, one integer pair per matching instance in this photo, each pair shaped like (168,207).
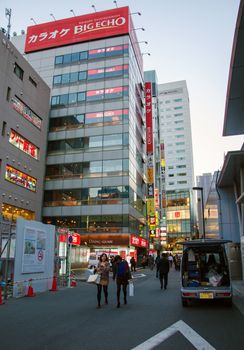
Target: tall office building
(175,136)
(95,175)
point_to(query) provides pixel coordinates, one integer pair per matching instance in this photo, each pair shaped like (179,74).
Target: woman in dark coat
(123,275)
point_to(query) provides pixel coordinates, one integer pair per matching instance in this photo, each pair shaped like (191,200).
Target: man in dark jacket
(163,267)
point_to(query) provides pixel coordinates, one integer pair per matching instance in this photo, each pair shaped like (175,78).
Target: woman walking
(103,270)
(123,275)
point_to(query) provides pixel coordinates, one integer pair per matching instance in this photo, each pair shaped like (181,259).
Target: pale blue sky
(188,40)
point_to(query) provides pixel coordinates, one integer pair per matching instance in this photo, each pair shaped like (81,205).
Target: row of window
(86,143)
(97,223)
(178,174)
(18,71)
(91,95)
(87,196)
(177,166)
(87,169)
(80,120)
(178,183)
(81,56)
(92,74)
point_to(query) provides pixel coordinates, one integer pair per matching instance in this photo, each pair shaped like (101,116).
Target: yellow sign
(150,207)
(162,163)
(150,178)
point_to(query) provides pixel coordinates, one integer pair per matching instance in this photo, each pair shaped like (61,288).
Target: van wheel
(184,302)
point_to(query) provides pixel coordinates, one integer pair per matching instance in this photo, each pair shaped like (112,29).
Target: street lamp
(203,221)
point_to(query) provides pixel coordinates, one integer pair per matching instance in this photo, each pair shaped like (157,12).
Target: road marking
(138,275)
(193,337)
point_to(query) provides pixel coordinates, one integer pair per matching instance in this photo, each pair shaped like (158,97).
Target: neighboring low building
(24,106)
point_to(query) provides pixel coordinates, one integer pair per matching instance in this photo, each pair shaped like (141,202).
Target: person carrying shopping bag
(123,275)
(102,269)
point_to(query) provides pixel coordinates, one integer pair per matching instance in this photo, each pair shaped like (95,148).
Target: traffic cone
(73,281)
(54,285)
(30,292)
(1,298)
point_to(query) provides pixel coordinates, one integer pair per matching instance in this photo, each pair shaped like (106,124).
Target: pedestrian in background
(133,264)
(170,258)
(122,275)
(163,267)
(156,263)
(102,269)
(151,262)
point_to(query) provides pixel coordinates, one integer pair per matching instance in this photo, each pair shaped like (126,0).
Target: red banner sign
(78,29)
(138,241)
(23,144)
(75,238)
(149,124)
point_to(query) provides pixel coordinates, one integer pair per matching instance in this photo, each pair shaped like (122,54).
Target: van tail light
(188,294)
(224,294)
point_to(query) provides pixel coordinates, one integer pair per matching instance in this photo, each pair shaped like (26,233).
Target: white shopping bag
(131,289)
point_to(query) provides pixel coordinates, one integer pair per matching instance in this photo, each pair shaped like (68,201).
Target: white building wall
(175,132)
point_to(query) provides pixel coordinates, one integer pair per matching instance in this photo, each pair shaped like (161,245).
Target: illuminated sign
(23,144)
(77,29)
(21,179)
(150,207)
(26,112)
(156,196)
(149,125)
(138,241)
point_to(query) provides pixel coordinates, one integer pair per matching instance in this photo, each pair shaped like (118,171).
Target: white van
(205,271)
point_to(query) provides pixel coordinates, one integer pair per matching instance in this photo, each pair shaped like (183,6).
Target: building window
(18,71)
(8,94)
(178,100)
(181,182)
(32,81)
(181,174)
(180,107)
(180,166)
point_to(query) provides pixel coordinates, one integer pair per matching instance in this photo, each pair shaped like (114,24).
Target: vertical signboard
(150,160)
(149,123)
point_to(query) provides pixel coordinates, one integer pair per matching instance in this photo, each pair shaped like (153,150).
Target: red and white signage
(138,241)
(23,144)
(75,238)
(26,112)
(149,123)
(78,29)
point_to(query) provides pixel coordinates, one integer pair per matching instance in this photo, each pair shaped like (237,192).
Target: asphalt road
(68,319)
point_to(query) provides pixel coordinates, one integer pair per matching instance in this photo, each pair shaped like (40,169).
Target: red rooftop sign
(77,29)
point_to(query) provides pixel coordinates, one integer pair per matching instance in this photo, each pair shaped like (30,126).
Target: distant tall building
(175,132)
(176,138)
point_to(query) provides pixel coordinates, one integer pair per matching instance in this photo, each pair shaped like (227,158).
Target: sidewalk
(238,288)
(238,293)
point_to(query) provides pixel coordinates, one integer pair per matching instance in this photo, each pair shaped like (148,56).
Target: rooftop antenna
(135,13)
(32,19)
(94,8)
(72,11)
(52,15)
(115,2)
(8,15)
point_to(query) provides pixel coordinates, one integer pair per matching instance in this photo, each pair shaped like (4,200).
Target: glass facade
(96,139)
